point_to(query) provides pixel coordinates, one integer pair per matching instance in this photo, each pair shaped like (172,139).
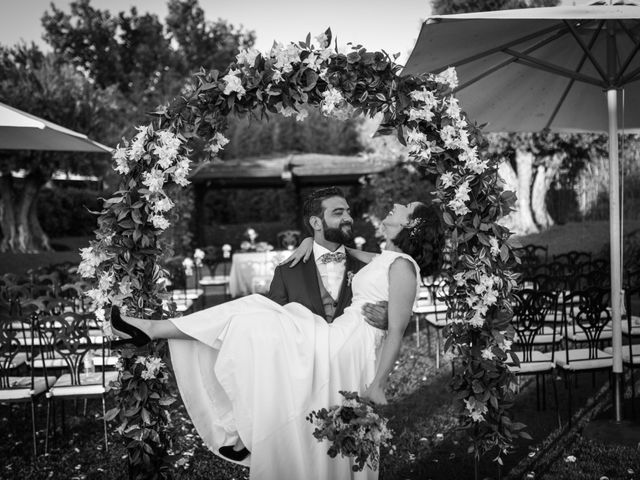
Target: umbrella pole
(614,240)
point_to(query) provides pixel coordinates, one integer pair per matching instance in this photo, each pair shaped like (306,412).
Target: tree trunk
(7,214)
(544,176)
(519,181)
(21,228)
(40,238)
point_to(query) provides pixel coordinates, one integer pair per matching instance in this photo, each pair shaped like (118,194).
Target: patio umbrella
(561,68)
(22,131)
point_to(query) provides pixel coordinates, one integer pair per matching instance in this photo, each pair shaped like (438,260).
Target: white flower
(98,296)
(198,256)
(153,180)
(460,279)
(416,114)
(447,179)
(106,281)
(476,409)
(426,96)
(449,77)
(164,204)
(285,56)
(286,111)
(147,375)
(506,344)
(181,172)
(458,204)
(90,260)
(323,40)
(217,143)
(332,99)
(448,136)
(453,108)
(233,83)
(121,159)
(477,320)
(301,115)
(487,354)
(159,222)
(495,246)
(277,76)
(137,147)
(247,57)
(187,264)
(469,156)
(154,365)
(415,136)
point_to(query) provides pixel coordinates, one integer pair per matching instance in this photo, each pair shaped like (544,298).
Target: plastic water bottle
(89,366)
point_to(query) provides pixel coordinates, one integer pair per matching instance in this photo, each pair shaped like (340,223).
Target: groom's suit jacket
(301,284)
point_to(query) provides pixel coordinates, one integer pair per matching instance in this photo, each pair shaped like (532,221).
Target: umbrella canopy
(535,68)
(562,68)
(22,131)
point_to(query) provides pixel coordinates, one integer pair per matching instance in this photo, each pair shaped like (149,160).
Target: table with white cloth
(251,272)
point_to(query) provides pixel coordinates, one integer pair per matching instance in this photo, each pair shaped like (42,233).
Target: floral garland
(124,259)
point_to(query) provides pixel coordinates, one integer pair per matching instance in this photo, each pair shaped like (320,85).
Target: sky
(376,24)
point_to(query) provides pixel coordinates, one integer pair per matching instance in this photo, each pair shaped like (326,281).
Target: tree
(250,137)
(447,7)
(535,160)
(40,85)
(201,43)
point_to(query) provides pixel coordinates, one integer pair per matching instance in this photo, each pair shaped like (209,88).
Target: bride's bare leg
(156,328)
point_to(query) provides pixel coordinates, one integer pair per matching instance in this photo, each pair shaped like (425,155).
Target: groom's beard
(342,235)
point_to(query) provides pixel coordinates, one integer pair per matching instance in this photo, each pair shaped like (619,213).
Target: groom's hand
(377,314)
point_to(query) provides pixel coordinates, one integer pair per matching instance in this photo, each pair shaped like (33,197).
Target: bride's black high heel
(234,455)
(138,337)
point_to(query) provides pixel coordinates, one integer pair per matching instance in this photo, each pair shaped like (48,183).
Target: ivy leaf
(111,414)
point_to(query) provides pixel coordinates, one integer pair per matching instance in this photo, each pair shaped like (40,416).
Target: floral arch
(124,260)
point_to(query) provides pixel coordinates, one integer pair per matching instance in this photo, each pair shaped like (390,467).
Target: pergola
(298,170)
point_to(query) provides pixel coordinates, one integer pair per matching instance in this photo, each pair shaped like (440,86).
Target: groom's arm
(278,290)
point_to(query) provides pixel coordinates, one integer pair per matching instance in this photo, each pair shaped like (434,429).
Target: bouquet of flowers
(354,430)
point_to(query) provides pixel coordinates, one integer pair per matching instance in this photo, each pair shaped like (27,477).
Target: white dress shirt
(331,273)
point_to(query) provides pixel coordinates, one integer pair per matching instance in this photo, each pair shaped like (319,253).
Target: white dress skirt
(256,369)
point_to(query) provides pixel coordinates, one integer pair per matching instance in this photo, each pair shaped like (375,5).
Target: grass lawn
(582,236)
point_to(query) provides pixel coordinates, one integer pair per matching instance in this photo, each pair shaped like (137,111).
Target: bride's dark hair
(423,239)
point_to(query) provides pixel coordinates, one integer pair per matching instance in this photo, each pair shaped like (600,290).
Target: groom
(323,284)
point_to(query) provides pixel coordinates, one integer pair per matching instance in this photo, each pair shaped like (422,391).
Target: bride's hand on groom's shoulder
(303,252)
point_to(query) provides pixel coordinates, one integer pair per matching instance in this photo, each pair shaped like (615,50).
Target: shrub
(64,212)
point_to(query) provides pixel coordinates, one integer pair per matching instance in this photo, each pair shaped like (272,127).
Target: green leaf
(111,414)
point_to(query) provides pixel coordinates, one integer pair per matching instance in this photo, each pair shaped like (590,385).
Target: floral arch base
(124,260)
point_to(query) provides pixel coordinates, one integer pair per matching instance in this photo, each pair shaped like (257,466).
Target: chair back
(67,337)
(288,239)
(532,254)
(587,311)
(573,257)
(532,310)
(9,348)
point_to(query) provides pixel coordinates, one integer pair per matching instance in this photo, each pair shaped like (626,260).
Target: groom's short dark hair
(313,204)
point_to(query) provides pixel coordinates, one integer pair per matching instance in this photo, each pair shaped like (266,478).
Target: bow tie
(337,257)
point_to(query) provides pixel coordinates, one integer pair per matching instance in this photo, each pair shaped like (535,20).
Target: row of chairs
(51,347)
(556,320)
(571,331)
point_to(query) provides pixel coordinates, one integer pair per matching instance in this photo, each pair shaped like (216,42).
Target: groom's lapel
(310,274)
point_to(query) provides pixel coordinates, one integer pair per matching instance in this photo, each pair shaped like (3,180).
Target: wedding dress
(258,368)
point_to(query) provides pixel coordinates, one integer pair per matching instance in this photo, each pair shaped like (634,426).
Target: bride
(250,370)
